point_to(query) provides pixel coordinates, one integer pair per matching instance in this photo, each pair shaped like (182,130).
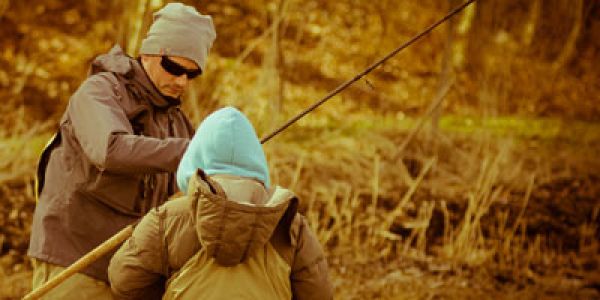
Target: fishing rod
(126,232)
(366,71)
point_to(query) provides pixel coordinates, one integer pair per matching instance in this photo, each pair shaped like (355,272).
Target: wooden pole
(82,263)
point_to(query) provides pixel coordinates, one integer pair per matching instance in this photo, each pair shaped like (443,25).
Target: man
(119,143)
(233,236)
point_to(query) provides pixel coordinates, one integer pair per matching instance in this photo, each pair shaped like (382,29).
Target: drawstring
(162,213)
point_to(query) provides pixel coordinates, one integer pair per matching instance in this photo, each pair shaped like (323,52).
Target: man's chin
(171,94)
(172,97)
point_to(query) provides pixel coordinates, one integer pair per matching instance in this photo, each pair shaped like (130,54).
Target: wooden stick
(82,263)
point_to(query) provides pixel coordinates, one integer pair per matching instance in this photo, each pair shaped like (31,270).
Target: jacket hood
(225,144)
(137,81)
(236,216)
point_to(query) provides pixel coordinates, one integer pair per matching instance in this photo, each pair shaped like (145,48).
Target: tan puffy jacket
(229,239)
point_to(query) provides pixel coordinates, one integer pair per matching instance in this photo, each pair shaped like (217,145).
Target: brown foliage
(440,212)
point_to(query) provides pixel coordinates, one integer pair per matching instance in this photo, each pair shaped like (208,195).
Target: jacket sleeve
(310,278)
(136,271)
(106,136)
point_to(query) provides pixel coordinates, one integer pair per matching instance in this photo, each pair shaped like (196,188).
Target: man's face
(169,84)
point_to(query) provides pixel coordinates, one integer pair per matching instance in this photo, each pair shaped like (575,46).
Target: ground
(551,252)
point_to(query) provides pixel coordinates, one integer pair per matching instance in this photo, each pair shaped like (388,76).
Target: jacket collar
(137,80)
(142,78)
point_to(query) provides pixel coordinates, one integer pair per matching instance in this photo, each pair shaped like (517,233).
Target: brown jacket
(112,159)
(232,229)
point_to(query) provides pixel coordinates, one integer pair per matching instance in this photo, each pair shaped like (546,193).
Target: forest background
(466,167)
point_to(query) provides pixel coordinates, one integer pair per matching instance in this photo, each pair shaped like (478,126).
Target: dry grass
(446,217)
(402,214)
(367,207)
(15,286)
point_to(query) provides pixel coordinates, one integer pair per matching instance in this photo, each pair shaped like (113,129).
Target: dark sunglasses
(176,69)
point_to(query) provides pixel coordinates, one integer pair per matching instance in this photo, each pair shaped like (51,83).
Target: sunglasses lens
(172,67)
(175,69)
(194,74)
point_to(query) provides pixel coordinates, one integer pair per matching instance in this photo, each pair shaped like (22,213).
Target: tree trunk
(568,50)
(135,20)
(534,15)
(447,64)
(278,58)
(4,4)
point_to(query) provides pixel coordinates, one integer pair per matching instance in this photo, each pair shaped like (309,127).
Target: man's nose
(182,80)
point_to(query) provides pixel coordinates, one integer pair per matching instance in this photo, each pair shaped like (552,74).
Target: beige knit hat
(179,30)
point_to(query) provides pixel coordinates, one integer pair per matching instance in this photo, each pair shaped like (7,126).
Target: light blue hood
(225,143)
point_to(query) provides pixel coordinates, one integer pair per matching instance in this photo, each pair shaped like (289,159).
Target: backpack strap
(284,238)
(162,215)
(40,175)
